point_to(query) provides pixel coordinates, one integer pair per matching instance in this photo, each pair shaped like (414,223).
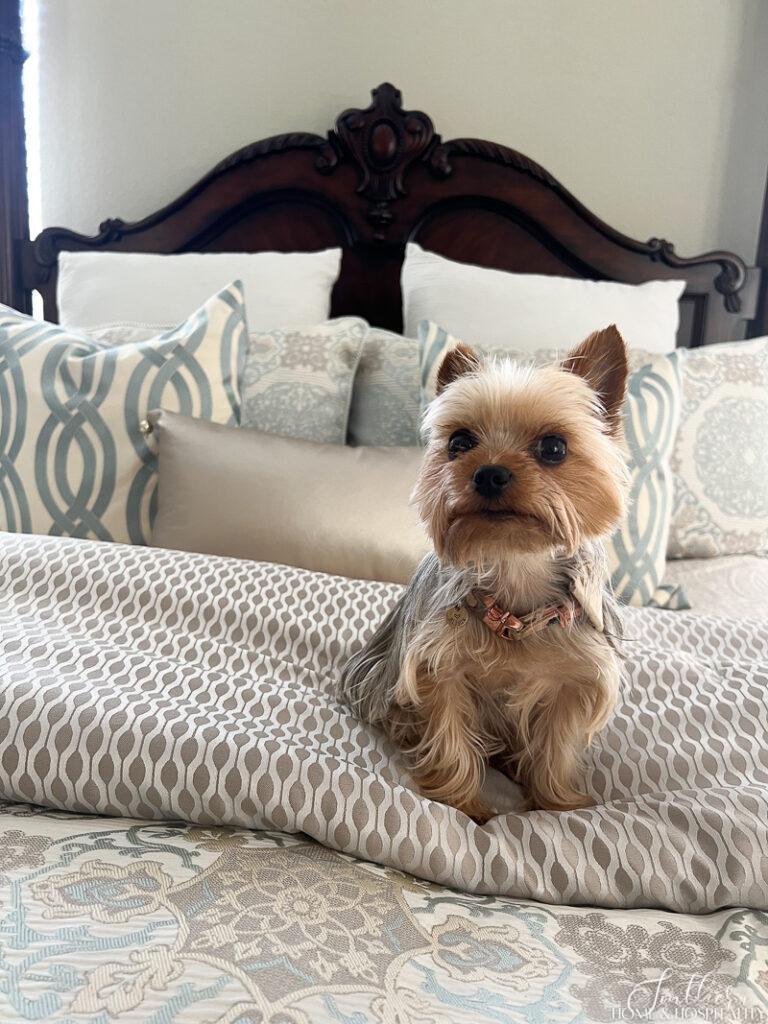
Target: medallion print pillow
(298,382)
(720,458)
(73,459)
(637,551)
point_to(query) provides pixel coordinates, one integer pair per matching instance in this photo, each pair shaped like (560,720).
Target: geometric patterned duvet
(160,922)
(150,923)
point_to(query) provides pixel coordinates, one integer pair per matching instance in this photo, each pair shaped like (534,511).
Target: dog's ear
(601,359)
(460,359)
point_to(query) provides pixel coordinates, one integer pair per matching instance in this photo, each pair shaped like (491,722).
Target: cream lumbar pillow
(325,507)
(75,462)
(526,312)
(637,551)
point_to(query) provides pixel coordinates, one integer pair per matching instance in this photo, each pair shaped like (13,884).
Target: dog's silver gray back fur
(369,678)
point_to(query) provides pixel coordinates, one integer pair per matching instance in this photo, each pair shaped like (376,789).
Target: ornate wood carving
(384,141)
(440,159)
(730,280)
(382,177)
(326,159)
(14,223)
(733,270)
(50,242)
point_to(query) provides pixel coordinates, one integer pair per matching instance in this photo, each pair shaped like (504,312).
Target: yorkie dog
(503,647)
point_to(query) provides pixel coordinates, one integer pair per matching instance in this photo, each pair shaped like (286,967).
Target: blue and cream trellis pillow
(637,551)
(73,459)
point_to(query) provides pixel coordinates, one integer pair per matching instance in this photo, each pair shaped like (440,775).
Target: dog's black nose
(490,481)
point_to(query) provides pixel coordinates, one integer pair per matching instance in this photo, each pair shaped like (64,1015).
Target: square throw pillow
(298,383)
(720,457)
(637,551)
(74,461)
(527,312)
(385,408)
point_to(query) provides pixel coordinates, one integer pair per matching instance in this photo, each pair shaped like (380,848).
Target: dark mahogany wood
(384,177)
(759,325)
(14,223)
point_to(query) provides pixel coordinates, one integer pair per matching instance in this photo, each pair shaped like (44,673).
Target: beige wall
(653,112)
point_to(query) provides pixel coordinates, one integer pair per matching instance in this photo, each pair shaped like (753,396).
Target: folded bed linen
(137,922)
(158,685)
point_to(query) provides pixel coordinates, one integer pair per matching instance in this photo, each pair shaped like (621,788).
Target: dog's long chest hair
(522,476)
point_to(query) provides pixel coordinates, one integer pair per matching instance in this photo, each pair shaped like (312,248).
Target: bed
(297,913)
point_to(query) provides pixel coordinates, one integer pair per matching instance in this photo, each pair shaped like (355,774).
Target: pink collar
(509,627)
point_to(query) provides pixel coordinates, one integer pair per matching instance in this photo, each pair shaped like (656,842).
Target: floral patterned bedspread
(149,923)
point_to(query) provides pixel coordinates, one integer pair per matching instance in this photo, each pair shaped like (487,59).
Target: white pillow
(527,312)
(151,291)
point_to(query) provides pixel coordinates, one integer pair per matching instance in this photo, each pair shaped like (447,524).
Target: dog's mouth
(500,515)
(483,534)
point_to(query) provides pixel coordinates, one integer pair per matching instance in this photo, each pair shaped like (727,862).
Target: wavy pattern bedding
(159,685)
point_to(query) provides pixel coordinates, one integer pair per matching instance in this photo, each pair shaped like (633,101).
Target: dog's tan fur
(462,694)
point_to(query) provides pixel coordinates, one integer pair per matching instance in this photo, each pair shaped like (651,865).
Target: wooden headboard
(383,177)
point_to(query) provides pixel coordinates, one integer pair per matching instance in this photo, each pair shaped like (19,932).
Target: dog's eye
(551,449)
(460,441)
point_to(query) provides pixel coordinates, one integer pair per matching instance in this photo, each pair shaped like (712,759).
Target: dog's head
(524,459)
